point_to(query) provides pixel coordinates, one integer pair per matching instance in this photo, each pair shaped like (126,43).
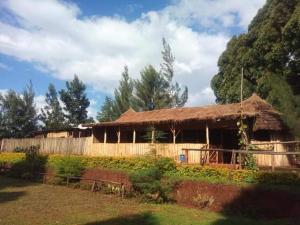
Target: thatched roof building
(264,116)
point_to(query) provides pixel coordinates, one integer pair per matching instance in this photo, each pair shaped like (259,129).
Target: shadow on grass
(267,204)
(10,196)
(133,219)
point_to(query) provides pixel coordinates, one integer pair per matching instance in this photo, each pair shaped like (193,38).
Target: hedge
(168,166)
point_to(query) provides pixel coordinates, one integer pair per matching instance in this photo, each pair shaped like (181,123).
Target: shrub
(149,183)
(27,166)
(69,166)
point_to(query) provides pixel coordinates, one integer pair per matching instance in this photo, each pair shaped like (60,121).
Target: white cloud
(4,66)
(215,14)
(51,35)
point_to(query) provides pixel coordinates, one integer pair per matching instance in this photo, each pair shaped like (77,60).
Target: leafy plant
(69,167)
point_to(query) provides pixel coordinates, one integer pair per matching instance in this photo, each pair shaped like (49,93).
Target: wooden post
(187,156)
(273,162)
(234,160)
(174,136)
(105,136)
(207,135)
(152,136)
(133,137)
(207,141)
(119,136)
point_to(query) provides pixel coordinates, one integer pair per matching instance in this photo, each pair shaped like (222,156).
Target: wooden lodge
(76,132)
(184,129)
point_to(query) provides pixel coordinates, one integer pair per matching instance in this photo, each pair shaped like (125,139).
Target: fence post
(273,162)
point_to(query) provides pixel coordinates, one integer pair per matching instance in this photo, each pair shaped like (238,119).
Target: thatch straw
(265,115)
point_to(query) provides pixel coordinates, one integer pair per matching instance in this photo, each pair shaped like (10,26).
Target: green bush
(24,165)
(29,166)
(69,166)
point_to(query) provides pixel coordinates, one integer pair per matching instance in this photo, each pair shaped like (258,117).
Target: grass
(23,203)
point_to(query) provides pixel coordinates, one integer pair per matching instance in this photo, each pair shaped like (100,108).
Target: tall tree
(76,102)
(122,101)
(270,55)
(150,92)
(52,114)
(18,114)
(123,93)
(30,114)
(177,97)
(108,112)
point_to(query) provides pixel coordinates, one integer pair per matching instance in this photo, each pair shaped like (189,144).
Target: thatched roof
(254,107)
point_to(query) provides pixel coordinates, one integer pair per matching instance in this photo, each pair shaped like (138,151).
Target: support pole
(119,136)
(105,136)
(273,162)
(152,136)
(207,141)
(207,135)
(133,137)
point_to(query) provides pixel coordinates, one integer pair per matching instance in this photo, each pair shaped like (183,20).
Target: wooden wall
(85,146)
(276,146)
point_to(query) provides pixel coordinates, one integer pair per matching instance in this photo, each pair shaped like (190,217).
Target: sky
(48,41)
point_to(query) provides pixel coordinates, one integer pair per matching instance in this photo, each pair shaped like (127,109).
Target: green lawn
(32,203)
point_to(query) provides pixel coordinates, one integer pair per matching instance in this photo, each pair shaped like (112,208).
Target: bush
(149,183)
(69,166)
(27,167)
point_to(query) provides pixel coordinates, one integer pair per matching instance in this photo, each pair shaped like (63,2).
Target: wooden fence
(85,146)
(76,146)
(196,153)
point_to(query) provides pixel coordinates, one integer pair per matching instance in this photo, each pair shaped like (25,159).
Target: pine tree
(177,97)
(18,114)
(150,92)
(76,102)
(52,115)
(123,94)
(108,112)
(30,117)
(12,115)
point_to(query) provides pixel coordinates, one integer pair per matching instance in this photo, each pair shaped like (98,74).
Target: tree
(150,92)
(107,112)
(123,94)
(270,55)
(76,102)
(30,117)
(18,114)
(177,97)
(52,115)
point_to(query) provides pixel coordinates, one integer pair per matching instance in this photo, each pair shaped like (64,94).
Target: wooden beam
(207,135)
(152,136)
(105,136)
(133,137)
(119,136)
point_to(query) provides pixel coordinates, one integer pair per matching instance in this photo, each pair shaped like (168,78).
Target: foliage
(28,166)
(154,90)
(18,114)
(165,166)
(270,54)
(150,92)
(76,102)
(68,166)
(52,115)
(248,161)
(150,185)
(177,97)
(158,135)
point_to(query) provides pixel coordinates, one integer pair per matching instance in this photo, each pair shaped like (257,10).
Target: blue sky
(49,41)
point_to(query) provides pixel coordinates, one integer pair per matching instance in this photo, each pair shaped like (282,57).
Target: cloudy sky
(51,40)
